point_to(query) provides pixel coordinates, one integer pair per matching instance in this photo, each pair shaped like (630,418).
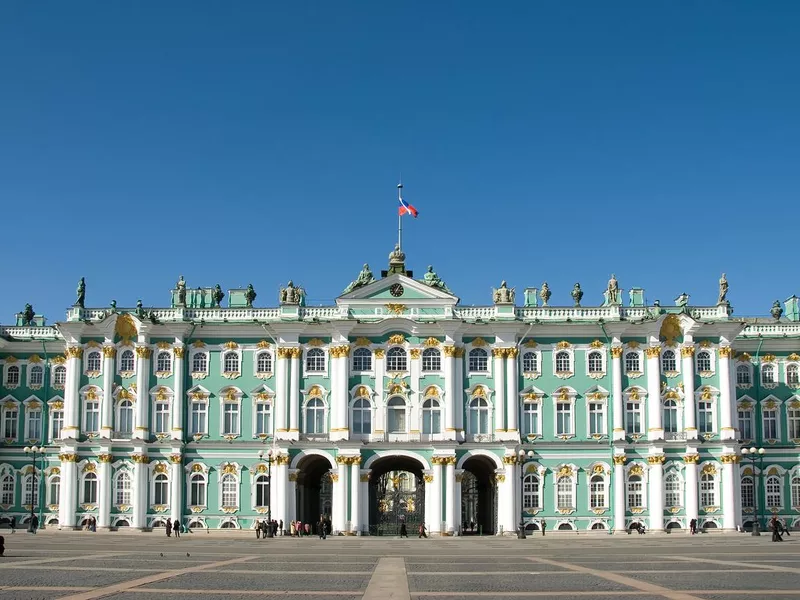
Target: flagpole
(400,218)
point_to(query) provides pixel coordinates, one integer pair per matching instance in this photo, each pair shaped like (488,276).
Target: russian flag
(407,209)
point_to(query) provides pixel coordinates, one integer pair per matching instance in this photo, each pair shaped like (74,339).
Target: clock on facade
(396,290)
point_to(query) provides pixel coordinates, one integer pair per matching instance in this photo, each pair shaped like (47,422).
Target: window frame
(257,370)
(159,353)
(362,353)
(748,499)
(356,407)
(744,367)
(199,479)
(564,396)
(118,432)
(534,400)
(194,354)
(570,356)
(778,478)
(235,354)
(711,362)
(533,495)
(400,356)
(90,354)
(39,367)
(121,360)
(10,414)
(234,489)
(481,354)
(558,479)
(635,354)
(674,475)
(85,478)
(8,486)
(674,372)
(537,354)
(771,404)
(594,374)
(9,382)
(316,351)
(704,492)
(230,397)
(55,406)
(155,483)
(794,366)
(793,419)
(119,491)
(474,405)
(433,356)
(427,415)
(322,408)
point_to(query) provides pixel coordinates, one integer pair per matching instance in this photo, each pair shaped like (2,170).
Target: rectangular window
(563,418)
(10,417)
(794,423)
(198,421)
(530,418)
(597,493)
(633,417)
(705,417)
(263,425)
(56,424)
(37,375)
(31,494)
(162,424)
(230,419)
(597,418)
(770,424)
(34,431)
(748,499)
(746,424)
(635,496)
(92,417)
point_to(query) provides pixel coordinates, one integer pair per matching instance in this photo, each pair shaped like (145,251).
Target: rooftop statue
(776,311)
(545,294)
(217,295)
(113,306)
(577,294)
(682,300)
(250,295)
(503,294)
(290,294)
(431,279)
(365,277)
(181,286)
(81,293)
(28,314)
(613,290)
(723,289)
(140,312)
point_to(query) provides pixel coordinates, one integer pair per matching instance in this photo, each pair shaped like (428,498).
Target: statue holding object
(723,289)
(365,277)
(504,294)
(81,293)
(181,286)
(431,279)
(250,295)
(216,296)
(290,294)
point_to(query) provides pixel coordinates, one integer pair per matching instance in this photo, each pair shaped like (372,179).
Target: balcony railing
(674,436)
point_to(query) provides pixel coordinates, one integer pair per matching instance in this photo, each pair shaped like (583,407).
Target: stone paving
(147,566)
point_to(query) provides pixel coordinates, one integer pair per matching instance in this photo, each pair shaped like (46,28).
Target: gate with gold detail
(396,497)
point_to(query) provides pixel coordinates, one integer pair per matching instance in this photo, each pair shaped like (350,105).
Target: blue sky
(261,141)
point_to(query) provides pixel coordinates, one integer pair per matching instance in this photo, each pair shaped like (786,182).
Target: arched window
(563,362)
(89,495)
(431,416)
(36,375)
(315,360)
(530,492)
(564,489)
(632,362)
(7,486)
(93,361)
(362,360)
(478,416)
(263,418)
(597,492)
(197,490)
(708,490)
(60,376)
(396,415)
(670,417)
(431,360)
(125,419)
(595,361)
(635,492)
(12,376)
(315,416)
(54,490)
(743,375)
(793,375)
(262,491)
(230,491)
(160,489)
(796,491)
(231,362)
(748,492)
(31,490)
(669,362)
(228,525)
(773,489)
(530,418)
(362,417)
(598,526)
(199,362)
(530,362)
(164,362)
(122,489)
(478,360)
(127,361)
(703,361)
(672,491)
(264,363)
(396,360)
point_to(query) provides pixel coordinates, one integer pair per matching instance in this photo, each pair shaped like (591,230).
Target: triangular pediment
(399,289)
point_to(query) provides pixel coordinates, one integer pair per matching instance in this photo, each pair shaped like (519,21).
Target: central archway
(478,497)
(396,495)
(314,489)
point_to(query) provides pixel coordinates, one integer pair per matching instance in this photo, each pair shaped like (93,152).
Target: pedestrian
(321,527)
(258,529)
(34,524)
(775,525)
(13,524)
(422,533)
(693,526)
(2,545)
(544,526)
(307,528)
(168,527)
(403,530)
(176,528)
(280,527)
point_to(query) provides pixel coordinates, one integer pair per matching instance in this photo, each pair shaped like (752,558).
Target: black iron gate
(396,497)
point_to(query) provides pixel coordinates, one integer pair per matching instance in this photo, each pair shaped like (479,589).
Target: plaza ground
(141,566)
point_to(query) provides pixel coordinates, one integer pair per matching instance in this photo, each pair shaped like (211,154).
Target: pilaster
(459,477)
(619,493)
(280,478)
(142,428)
(281,392)
(507,495)
(178,404)
(107,408)
(655,427)
(729,491)
(104,490)
(727,400)
(450,398)
(355,495)
(71,427)
(689,401)
(339,359)
(618,410)
(499,376)
(340,495)
(176,486)
(140,462)
(656,491)
(450,486)
(294,394)
(690,480)
(512,394)
(458,397)
(68,499)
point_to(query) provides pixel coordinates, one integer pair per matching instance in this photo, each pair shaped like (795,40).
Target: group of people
(263,528)
(778,528)
(171,528)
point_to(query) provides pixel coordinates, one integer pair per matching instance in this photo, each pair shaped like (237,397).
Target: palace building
(396,404)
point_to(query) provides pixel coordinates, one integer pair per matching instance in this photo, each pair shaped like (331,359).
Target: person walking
(321,526)
(280,527)
(544,526)
(258,530)
(775,525)
(13,524)
(403,529)
(34,524)
(422,533)
(176,528)
(168,527)
(2,545)
(693,526)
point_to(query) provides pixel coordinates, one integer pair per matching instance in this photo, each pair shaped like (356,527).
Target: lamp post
(755,454)
(33,451)
(522,456)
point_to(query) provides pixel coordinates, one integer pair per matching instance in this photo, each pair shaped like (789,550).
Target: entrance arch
(478,496)
(396,494)
(314,495)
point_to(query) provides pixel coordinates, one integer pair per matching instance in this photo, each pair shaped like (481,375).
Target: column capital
(179,351)
(656,459)
(691,459)
(105,458)
(109,351)
(73,352)
(616,351)
(143,352)
(68,457)
(687,351)
(725,351)
(653,351)
(175,459)
(619,460)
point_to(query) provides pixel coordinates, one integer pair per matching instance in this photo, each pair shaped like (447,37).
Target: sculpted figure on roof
(365,277)
(431,279)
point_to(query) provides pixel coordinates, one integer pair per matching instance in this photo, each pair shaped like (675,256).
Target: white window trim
(778,408)
(531,395)
(677,352)
(199,374)
(84,502)
(645,485)
(530,374)
(369,397)
(237,473)
(6,366)
(534,468)
(8,404)
(165,470)
(223,352)
(260,469)
(749,366)
(563,374)
(679,408)
(795,472)
(327,360)
(489,360)
(7,469)
(115,482)
(265,374)
(778,471)
(439,371)
(485,393)
(195,395)
(637,350)
(25,476)
(89,349)
(326,409)
(353,369)
(54,401)
(29,367)
(786,366)
(227,396)
(714,399)
(630,395)
(574,478)
(168,397)
(163,374)
(606,475)
(603,363)
(428,395)
(120,350)
(49,501)
(117,418)
(54,366)
(263,395)
(564,394)
(792,403)
(674,470)
(777,379)
(32,404)
(404,347)
(717,484)
(712,353)
(603,400)
(190,472)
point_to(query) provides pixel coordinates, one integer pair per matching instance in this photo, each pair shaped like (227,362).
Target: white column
(139,490)
(291,499)
(280,479)
(737,492)
(281,392)
(107,408)
(507,492)
(449,490)
(436,495)
(72,421)
(458,396)
(104,491)
(429,504)
(512,393)
(451,402)
(617,409)
(294,394)
(726,398)
(339,516)
(142,429)
(178,401)
(364,504)
(619,493)
(690,480)
(68,499)
(413,411)
(689,403)
(339,359)
(355,494)
(655,428)
(176,487)
(499,376)
(728,491)
(656,491)
(459,474)
(379,427)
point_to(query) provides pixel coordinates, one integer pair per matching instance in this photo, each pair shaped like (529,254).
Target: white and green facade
(625,414)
